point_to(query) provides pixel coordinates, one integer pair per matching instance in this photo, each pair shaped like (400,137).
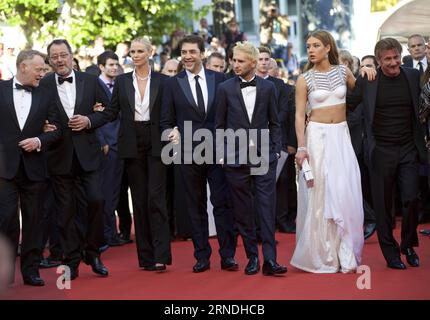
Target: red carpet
(127,281)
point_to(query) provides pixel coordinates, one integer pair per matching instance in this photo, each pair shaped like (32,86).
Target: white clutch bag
(307,173)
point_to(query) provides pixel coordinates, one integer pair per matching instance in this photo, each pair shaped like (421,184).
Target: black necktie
(21,87)
(200,100)
(251,83)
(62,80)
(421,69)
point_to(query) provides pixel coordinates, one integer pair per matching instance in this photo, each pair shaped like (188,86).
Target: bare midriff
(329,114)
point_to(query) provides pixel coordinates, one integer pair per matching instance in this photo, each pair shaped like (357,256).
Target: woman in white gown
(329,236)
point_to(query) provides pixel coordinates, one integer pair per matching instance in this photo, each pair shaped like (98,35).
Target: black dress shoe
(271,268)
(125,238)
(287,228)
(412,257)
(229,264)
(154,267)
(74,273)
(49,263)
(201,266)
(425,232)
(252,267)
(369,230)
(396,264)
(97,266)
(34,280)
(103,248)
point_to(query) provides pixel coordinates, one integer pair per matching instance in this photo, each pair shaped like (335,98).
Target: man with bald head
(170,68)
(216,62)
(24,107)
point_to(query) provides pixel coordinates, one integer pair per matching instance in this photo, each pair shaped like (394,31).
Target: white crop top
(326,89)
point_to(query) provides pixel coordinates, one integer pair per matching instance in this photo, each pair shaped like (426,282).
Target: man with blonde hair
(248,102)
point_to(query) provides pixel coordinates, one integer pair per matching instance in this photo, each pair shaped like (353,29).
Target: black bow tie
(21,87)
(61,80)
(109,85)
(251,83)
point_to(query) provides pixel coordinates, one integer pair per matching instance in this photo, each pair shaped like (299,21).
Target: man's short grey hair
(416,35)
(28,55)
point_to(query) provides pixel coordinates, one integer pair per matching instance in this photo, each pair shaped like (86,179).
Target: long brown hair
(327,40)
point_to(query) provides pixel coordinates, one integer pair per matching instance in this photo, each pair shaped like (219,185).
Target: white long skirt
(329,236)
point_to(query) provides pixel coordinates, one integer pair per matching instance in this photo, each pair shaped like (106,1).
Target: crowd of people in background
(101,133)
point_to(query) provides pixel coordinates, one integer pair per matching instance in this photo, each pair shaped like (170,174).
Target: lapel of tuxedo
(130,91)
(258,87)
(210,82)
(80,83)
(412,89)
(35,100)
(242,102)
(182,79)
(155,84)
(8,96)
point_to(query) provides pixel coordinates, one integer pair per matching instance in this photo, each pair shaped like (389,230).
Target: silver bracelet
(302,149)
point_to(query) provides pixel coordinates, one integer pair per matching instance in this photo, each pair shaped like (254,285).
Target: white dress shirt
(249,95)
(202,83)
(67,93)
(22,102)
(141,108)
(423,61)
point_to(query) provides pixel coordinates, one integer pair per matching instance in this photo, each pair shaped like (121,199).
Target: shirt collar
(243,80)
(72,74)
(423,61)
(15,80)
(106,80)
(201,74)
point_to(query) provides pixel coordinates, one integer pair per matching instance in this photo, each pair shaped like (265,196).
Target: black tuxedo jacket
(123,100)
(83,143)
(366,92)
(179,105)
(232,113)
(281,97)
(42,107)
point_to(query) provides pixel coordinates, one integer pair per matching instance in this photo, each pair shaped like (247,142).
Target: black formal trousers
(66,191)
(182,217)
(195,178)
(242,185)
(147,178)
(28,194)
(112,168)
(395,164)
(49,223)
(122,208)
(286,195)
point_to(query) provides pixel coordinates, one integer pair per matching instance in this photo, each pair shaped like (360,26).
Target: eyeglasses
(62,56)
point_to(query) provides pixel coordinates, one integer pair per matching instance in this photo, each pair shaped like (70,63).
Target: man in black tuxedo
(24,107)
(190,97)
(395,147)
(249,103)
(76,158)
(137,95)
(284,219)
